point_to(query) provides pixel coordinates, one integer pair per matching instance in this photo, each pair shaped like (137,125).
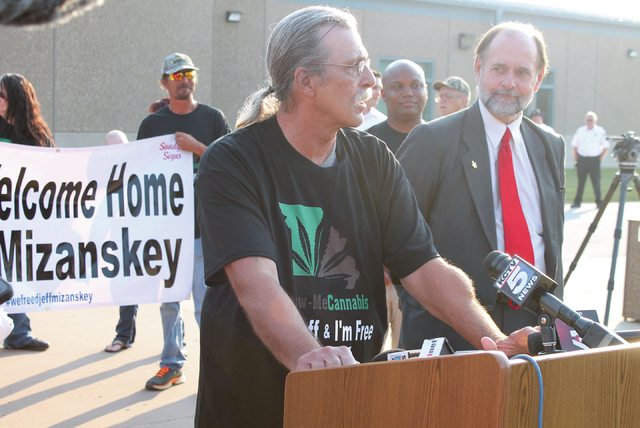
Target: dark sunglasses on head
(179,75)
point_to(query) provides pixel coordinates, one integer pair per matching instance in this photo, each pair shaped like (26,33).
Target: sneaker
(165,378)
(35,345)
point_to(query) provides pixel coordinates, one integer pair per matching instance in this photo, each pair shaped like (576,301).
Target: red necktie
(516,233)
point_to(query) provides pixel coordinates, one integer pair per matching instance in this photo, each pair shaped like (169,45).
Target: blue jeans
(126,327)
(172,324)
(21,333)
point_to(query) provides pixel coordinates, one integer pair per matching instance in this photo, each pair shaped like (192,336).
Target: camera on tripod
(627,148)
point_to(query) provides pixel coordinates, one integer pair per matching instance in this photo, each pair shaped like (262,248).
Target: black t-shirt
(205,124)
(390,136)
(329,231)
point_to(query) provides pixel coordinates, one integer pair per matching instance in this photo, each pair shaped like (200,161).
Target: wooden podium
(595,388)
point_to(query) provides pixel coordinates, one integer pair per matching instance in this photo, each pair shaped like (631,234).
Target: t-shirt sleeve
(218,124)
(223,125)
(143,130)
(408,243)
(232,219)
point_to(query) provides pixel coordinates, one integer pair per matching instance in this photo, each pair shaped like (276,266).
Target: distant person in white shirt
(590,146)
(373,116)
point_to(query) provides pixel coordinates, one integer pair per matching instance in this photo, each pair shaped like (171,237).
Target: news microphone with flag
(527,286)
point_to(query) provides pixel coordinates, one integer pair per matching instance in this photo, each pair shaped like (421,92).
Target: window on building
(427,114)
(544,99)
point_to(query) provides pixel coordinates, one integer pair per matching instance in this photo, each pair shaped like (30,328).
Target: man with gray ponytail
(299,214)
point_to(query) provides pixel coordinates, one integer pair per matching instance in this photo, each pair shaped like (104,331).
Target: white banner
(96,226)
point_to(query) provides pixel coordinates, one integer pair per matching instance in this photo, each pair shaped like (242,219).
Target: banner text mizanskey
(25,198)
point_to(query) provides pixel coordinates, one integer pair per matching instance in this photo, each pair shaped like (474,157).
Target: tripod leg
(594,224)
(636,182)
(617,234)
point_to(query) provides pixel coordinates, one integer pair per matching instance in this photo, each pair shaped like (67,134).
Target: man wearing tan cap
(453,95)
(195,126)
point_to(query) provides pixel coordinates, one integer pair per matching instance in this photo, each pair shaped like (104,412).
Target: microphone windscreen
(495,263)
(534,343)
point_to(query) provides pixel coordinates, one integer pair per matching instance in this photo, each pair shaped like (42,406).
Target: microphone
(395,355)
(435,347)
(526,286)
(430,348)
(534,343)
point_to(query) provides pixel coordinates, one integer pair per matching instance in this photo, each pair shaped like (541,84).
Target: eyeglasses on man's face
(357,68)
(183,74)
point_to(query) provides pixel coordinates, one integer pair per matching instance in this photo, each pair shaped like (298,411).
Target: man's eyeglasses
(357,68)
(179,75)
(447,97)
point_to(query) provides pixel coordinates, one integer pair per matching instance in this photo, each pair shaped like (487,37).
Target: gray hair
(294,42)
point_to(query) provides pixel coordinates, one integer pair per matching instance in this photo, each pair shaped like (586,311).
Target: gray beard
(502,109)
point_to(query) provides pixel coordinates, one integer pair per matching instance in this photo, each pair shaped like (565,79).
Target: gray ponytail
(294,42)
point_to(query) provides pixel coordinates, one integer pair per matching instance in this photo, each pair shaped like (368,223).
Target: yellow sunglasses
(179,75)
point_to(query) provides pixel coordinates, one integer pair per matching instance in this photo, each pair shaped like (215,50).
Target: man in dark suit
(453,166)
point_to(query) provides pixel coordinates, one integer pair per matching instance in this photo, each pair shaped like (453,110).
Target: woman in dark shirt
(22,123)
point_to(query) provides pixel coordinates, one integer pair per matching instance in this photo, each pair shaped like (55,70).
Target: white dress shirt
(525,181)
(590,142)
(372,117)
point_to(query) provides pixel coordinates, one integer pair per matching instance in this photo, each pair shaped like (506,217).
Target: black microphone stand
(593,334)
(622,179)
(548,335)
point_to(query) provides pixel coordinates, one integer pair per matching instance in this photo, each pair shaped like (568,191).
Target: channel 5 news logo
(518,280)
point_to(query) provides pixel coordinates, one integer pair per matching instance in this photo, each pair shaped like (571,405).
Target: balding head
(404,91)
(403,66)
(115,137)
(516,27)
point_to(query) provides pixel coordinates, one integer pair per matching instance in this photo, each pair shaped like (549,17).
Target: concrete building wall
(100,71)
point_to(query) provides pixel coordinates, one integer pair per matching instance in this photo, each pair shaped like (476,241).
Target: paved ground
(74,383)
